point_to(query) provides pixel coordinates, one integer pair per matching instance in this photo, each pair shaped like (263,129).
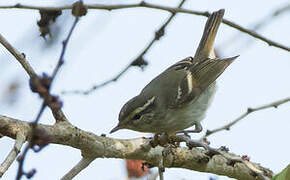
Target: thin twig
(256,35)
(21,159)
(97,86)
(19,56)
(242,116)
(45,102)
(282,10)
(82,164)
(158,34)
(20,171)
(272,16)
(154,6)
(64,45)
(258,25)
(20,139)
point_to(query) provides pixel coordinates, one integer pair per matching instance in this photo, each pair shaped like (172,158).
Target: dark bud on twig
(208,132)
(250,110)
(30,174)
(24,56)
(37,87)
(159,33)
(40,138)
(34,83)
(47,17)
(79,9)
(55,102)
(40,85)
(140,62)
(45,80)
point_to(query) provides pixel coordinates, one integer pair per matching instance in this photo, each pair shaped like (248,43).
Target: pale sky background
(105,42)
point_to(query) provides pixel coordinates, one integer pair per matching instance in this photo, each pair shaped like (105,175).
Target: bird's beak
(115,129)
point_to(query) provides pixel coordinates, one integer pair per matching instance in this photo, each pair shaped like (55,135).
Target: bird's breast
(185,117)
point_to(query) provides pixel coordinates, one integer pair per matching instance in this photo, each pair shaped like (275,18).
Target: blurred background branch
(242,116)
(139,61)
(159,7)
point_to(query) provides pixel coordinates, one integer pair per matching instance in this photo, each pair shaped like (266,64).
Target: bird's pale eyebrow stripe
(142,108)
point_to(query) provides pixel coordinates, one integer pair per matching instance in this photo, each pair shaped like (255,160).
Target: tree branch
(139,61)
(242,116)
(84,162)
(57,113)
(254,27)
(154,6)
(19,56)
(20,139)
(64,45)
(94,146)
(42,86)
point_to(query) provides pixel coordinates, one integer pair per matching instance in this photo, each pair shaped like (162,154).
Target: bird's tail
(206,72)
(210,30)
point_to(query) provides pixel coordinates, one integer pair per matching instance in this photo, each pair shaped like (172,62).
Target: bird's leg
(190,143)
(197,129)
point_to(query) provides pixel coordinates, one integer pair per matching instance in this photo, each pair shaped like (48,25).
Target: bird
(179,97)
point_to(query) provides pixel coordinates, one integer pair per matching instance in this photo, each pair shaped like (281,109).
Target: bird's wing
(188,88)
(197,77)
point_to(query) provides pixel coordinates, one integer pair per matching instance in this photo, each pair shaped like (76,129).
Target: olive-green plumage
(179,97)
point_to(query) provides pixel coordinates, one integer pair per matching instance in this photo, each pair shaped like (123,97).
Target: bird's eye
(136,117)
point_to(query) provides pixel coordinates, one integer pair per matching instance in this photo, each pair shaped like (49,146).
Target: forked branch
(103,147)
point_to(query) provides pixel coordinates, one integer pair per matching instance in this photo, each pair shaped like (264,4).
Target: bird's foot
(159,139)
